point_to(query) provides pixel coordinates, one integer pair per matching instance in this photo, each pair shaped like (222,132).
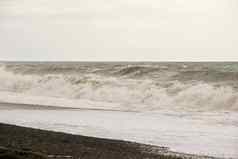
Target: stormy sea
(188,107)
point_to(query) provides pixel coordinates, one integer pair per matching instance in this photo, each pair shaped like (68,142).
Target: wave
(123,93)
(206,72)
(136,70)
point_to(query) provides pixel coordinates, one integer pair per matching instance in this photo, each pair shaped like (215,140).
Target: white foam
(129,94)
(214,134)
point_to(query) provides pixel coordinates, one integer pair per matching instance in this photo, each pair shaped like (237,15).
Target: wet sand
(46,144)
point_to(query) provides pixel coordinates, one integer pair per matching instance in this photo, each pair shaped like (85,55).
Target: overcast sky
(154,30)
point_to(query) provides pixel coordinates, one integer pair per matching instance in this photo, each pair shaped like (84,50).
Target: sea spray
(123,85)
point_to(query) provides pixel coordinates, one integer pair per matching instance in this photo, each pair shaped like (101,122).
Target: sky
(119,30)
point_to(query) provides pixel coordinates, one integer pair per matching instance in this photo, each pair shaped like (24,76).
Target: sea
(190,107)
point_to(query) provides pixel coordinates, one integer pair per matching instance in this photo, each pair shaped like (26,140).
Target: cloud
(119,29)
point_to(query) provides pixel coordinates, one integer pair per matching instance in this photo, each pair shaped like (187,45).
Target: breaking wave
(129,93)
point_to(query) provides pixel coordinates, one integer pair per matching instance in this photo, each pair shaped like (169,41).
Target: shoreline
(14,105)
(49,144)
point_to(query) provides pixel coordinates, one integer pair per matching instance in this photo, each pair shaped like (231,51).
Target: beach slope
(21,142)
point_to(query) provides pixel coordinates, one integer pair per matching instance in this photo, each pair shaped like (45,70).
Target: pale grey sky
(154,30)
